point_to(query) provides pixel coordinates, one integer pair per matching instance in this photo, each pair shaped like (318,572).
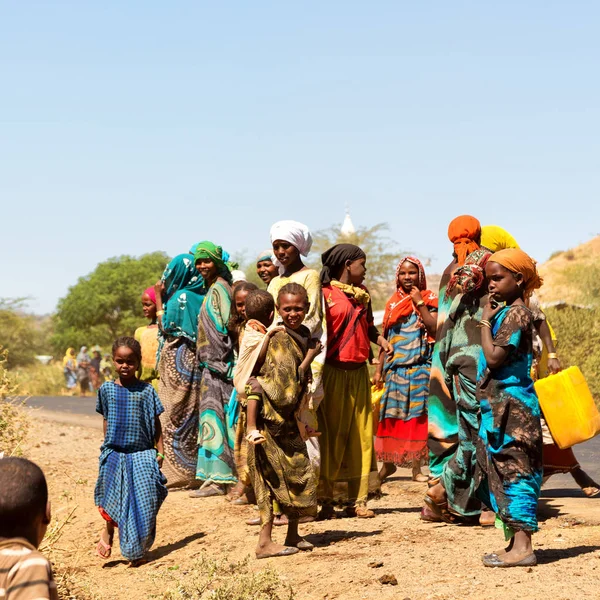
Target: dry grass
(223,580)
(13,421)
(41,380)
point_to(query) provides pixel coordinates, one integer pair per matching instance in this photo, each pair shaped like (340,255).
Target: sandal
(255,437)
(440,509)
(103,546)
(591,492)
(360,512)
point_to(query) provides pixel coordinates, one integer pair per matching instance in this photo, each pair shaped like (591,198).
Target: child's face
(357,270)
(408,276)
(292,309)
(148,307)
(126,362)
(207,269)
(503,285)
(266,270)
(285,252)
(240,302)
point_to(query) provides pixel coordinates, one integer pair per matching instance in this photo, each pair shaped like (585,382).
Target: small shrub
(556,254)
(41,380)
(225,580)
(13,420)
(578,333)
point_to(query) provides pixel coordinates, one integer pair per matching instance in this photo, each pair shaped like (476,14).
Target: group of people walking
(265,395)
(84,370)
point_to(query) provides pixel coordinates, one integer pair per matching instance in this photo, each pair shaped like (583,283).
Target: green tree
(383,254)
(19,333)
(106,303)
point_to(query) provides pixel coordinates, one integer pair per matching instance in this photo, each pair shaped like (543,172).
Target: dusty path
(429,561)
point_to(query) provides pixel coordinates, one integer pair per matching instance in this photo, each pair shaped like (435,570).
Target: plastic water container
(568,406)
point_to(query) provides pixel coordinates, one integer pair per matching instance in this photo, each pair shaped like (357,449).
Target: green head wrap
(210,251)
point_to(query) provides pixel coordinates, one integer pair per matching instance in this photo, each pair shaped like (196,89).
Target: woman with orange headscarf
(409,325)
(464,232)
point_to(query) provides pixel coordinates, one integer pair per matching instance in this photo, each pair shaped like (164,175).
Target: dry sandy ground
(429,561)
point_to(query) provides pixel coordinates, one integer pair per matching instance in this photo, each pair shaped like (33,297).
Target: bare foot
(487,518)
(386,471)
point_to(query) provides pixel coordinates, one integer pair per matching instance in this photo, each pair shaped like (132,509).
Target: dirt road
(429,561)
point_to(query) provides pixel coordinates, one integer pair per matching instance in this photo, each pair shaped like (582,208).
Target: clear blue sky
(128,127)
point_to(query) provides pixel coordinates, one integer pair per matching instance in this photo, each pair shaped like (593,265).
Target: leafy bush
(578,333)
(23,335)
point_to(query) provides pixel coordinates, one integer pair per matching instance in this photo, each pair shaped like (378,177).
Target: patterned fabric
(216,436)
(314,319)
(182,299)
(400,305)
(130,487)
(453,407)
(406,380)
(25,573)
(348,323)
(442,425)
(509,454)
(280,469)
(179,390)
(148,338)
(407,372)
(348,467)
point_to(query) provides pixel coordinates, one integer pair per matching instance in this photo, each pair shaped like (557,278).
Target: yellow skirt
(348,465)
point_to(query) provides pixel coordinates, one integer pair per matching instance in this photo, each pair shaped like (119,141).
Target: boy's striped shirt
(25,573)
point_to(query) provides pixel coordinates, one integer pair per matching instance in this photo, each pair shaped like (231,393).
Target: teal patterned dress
(509,453)
(216,435)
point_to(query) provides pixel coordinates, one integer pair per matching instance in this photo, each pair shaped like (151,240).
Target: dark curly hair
(130,343)
(294,289)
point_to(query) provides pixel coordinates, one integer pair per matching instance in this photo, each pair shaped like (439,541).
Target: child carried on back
(273,364)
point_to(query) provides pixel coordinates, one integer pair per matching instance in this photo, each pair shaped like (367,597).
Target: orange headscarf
(400,305)
(464,231)
(517,261)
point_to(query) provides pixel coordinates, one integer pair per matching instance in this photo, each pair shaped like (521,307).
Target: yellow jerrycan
(568,407)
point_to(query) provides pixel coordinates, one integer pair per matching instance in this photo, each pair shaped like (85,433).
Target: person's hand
(415,294)
(159,460)
(387,348)
(159,288)
(377,380)
(554,366)
(490,311)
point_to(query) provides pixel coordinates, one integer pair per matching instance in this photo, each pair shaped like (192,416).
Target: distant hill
(558,273)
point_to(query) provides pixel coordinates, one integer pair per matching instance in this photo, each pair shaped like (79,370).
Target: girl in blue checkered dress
(130,487)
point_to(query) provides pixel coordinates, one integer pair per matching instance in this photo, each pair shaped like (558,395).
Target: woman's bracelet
(160,313)
(420,303)
(485,323)
(553,355)
(159,455)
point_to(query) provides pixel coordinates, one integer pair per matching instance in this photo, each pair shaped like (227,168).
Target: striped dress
(402,430)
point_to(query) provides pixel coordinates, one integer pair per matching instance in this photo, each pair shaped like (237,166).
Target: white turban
(294,233)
